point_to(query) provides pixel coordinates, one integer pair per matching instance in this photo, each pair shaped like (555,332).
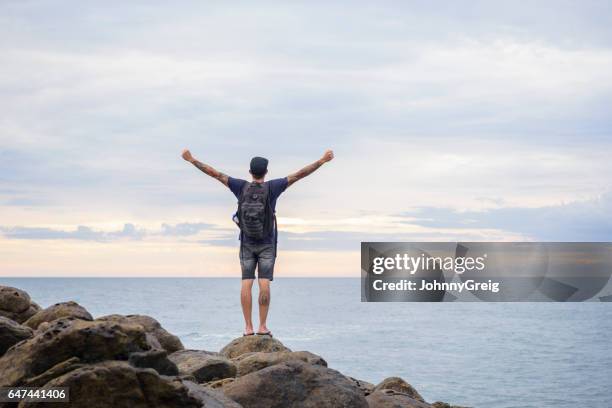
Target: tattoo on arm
(306,171)
(211,172)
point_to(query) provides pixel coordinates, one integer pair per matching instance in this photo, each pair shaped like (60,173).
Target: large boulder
(203,365)
(16,305)
(249,344)
(295,384)
(11,333)
(159,337)
(116,384)
(57,311)
(249,362)
(67,338)
(387,398)
(399,385)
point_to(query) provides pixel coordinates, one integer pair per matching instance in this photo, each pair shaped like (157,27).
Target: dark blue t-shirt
(277,186)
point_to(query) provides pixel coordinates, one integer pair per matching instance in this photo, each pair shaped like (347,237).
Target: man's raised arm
(308,170)
(205,168)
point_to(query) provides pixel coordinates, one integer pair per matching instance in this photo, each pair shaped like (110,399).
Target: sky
(450,121)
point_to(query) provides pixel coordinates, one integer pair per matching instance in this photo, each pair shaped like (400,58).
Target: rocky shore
(120,361)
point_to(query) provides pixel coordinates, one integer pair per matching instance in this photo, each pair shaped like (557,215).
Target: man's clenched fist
(187,155)
(327,156)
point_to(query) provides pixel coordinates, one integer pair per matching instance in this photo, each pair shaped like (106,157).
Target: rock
(116,384)
(399,385)
(203,365)
(66,338)
(388,398)
(209,398)
(55,371)
(15,304)
(219,383)
(11,333)
(440,404)
(295,384)
(249,362)
(365,387)
(155,359)
(166,340)
(13,300)
(249,344)
(57,311)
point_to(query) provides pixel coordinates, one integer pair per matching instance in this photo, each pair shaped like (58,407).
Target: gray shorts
(260,256)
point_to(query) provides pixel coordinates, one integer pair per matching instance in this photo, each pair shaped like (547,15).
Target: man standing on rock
(258,231)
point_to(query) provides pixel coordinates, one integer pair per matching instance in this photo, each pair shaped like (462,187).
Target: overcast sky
(450,121)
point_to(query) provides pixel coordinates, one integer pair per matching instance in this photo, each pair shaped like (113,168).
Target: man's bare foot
(248,331)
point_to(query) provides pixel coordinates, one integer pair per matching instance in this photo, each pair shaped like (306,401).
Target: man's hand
(308,170)
(187,155)
(205,168)
(327,156)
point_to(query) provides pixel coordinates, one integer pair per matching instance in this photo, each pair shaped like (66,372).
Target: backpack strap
(242,192)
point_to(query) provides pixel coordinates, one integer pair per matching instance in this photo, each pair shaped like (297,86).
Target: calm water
(506,355)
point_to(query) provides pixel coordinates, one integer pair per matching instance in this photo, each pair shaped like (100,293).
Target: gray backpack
(255,215)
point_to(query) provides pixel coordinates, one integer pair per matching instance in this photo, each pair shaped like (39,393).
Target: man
(258,232)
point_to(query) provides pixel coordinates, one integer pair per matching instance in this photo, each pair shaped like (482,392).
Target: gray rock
(12,333)
(295,384)
(204,366)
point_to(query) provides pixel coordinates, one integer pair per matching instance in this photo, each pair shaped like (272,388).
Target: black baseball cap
(259,166)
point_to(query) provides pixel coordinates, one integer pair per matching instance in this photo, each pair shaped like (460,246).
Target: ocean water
(493,355)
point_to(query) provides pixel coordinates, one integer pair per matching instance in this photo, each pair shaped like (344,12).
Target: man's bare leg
(264,304)
(246,302)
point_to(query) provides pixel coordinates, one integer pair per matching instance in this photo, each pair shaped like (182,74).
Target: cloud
(184,228)
(587,220)
(426,105)
(85,233)
(82,232)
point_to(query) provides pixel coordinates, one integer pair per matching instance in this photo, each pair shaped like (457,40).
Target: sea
(489,355)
